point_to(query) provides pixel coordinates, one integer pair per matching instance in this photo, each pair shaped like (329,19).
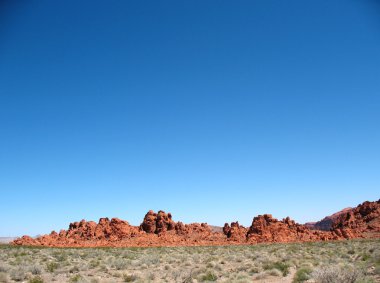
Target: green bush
(75,278)
(209,276)
(36,279)
(129,278)
(51,266)
(365,257)
(302,275)
(282,266)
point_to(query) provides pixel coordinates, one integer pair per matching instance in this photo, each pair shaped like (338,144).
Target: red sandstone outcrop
(85,232)
(326,223)
(362,221)
(25,241)
(159,229)
(157,222)
(235,232)
(266,229)
(160,223)
(115,229)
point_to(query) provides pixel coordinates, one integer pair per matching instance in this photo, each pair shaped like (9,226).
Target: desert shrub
(129,277)
(376,256)
(210,264)
(94,263)
(274,272)
(18,274)
(376,269)
(120,264)
(36,279)
(152,276)
(365,257)
(3,268)
(336,274)
(151,260)
(76,278)
(188,279)
(302,275)
(35,270)
(261,276)
(51,266)
(281,266)
(74,269)
(60,255)
(254,270)
(209,276)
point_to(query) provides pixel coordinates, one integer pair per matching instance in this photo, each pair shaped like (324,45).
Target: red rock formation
(362,221)
(158,229)
(115,229)
(85,232)
(24,241)
(157,222)
(326,223)
(235,232)
(185,229)
(266,229)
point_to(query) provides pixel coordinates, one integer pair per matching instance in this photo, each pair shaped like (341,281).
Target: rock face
(265,229)
(159,229)
(362,221)
(235,231)
(326,223)
(157,223)
(115,229)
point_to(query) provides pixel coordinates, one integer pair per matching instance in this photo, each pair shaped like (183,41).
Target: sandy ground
(6,240)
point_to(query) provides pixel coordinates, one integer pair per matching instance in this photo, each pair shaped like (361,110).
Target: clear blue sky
(213,110)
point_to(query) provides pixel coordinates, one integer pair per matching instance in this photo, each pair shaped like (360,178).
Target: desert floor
(325,262)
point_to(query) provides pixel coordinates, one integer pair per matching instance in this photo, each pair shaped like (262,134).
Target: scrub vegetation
(319,262)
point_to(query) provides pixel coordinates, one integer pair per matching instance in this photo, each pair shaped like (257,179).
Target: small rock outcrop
(157,223)
(235,231)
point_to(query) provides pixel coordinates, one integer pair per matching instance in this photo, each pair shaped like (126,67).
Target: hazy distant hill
(6,240)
